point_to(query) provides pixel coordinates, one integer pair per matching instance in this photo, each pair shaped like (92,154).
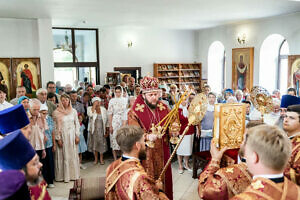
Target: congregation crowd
(66,122)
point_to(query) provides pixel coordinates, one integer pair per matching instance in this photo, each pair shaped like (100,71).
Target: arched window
(283,67)
(273,63)
(216,66)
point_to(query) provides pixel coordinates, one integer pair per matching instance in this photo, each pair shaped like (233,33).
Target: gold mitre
(229,125)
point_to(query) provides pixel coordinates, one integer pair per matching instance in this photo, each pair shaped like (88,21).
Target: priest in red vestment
(291,125)
(146,111)
(126,178)
(224,182)
(16,153)
(267,150)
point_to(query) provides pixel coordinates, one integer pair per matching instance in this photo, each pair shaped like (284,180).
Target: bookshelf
(179,73)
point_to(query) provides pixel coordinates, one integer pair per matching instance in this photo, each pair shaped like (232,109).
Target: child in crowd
(82,147)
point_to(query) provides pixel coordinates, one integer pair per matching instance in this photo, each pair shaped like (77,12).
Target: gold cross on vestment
(257,185)
(161,106)
(229,170)
(140,107)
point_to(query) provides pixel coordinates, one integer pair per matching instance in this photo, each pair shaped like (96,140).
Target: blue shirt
(49,131)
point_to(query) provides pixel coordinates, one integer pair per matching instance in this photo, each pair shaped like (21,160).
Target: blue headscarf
(21,99)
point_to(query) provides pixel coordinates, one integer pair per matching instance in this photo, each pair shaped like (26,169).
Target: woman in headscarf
(97,129)
(116,109)
(25,102)
(66,127)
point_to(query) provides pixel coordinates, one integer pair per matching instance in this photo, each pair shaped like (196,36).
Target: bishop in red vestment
(148,110)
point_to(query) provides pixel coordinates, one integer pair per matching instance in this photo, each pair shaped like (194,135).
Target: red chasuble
(292,171)
(127,180)
(265,189)
(39,191)
(141,115)
(224,183)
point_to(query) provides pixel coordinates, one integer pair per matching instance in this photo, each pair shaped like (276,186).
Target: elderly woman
(116,109)
(239,96)
(97,129)
(38,126)
(66,129)
(25,102)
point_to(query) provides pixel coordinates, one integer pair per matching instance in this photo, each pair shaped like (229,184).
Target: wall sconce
(129,44)
(241,39)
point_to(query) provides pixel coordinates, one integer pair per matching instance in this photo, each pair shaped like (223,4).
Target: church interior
(234,44)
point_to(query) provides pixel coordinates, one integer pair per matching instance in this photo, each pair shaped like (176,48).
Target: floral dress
(116,108)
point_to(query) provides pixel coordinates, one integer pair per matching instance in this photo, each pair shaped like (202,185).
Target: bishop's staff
(197,110)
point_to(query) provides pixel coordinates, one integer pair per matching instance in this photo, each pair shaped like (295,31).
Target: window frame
(78,65)
(280,57)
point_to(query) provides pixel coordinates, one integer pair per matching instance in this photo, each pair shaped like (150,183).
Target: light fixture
(241,38)
(129,44)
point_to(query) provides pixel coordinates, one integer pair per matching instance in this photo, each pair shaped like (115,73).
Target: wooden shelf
(189,69)
(162,77)
(169,70)
(189,76)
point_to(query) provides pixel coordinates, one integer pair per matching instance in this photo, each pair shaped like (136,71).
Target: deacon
(223,183)
(148,110)
(16,153)
(126,178)
(291,125)
(267,150)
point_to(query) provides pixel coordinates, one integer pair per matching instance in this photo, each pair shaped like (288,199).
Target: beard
(34,179)
(151,106)
(142,154)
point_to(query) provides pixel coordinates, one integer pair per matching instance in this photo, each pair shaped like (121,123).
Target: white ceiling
(175,14)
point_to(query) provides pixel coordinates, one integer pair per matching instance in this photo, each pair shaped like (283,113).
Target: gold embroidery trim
(285,189)
(132,183)
(293,175)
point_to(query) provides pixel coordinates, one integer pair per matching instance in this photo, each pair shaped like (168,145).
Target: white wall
(28,38)
(149,46)
(46,50)
(18,38)
(256,31)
